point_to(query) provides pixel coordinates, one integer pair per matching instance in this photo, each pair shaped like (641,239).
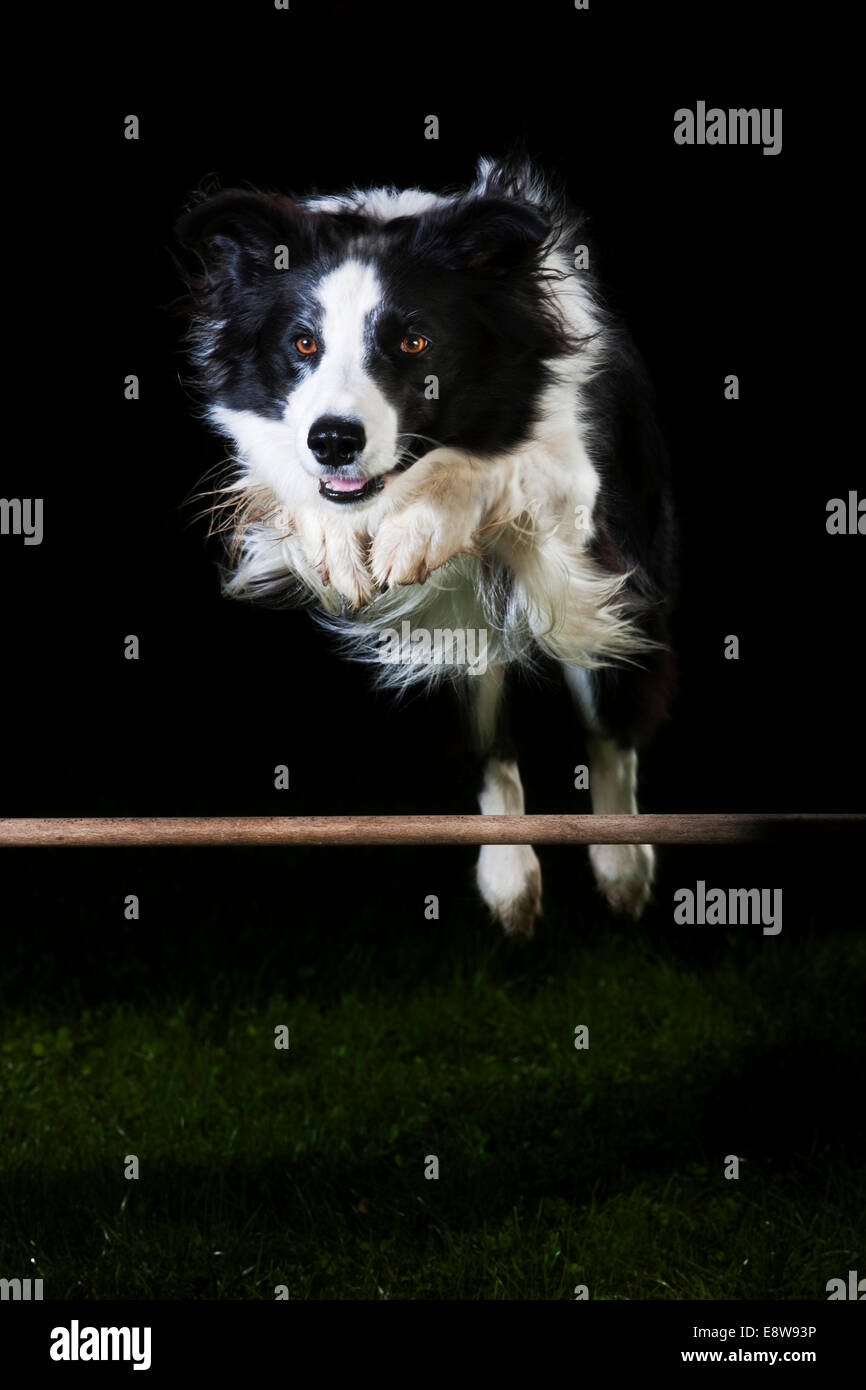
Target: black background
(703,251)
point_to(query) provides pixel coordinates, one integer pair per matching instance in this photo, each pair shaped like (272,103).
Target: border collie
(438,427)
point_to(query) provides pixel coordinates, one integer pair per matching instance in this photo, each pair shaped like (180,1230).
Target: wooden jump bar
(103,832)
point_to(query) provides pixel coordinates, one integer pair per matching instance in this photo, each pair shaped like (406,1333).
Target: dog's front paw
(411,544)
(338,557)
(624,873)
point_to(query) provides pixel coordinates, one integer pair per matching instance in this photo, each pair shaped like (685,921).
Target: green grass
(558,1167)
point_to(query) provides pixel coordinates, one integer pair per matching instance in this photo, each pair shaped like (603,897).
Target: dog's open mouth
(359,489)
(349,489)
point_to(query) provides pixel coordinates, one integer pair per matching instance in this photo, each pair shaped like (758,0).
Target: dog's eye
(306,345)
(414,343)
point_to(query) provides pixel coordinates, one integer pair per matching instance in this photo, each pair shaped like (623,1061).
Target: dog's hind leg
(624,873)
(508,876)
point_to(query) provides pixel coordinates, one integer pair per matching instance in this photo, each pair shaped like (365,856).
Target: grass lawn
(409,1038)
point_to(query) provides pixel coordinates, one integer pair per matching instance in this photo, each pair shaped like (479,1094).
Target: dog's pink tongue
(345,484)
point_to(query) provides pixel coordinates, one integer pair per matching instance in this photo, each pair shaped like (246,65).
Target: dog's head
(338,340)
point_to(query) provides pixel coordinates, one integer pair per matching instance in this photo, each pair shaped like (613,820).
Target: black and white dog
(437,428)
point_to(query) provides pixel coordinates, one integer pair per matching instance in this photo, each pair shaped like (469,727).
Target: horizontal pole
(106,831)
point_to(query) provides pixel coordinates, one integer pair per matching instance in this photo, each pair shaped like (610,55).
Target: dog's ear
(490,236)
(233,214)
(236,229)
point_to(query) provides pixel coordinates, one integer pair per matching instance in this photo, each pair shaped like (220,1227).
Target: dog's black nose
(336,443)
